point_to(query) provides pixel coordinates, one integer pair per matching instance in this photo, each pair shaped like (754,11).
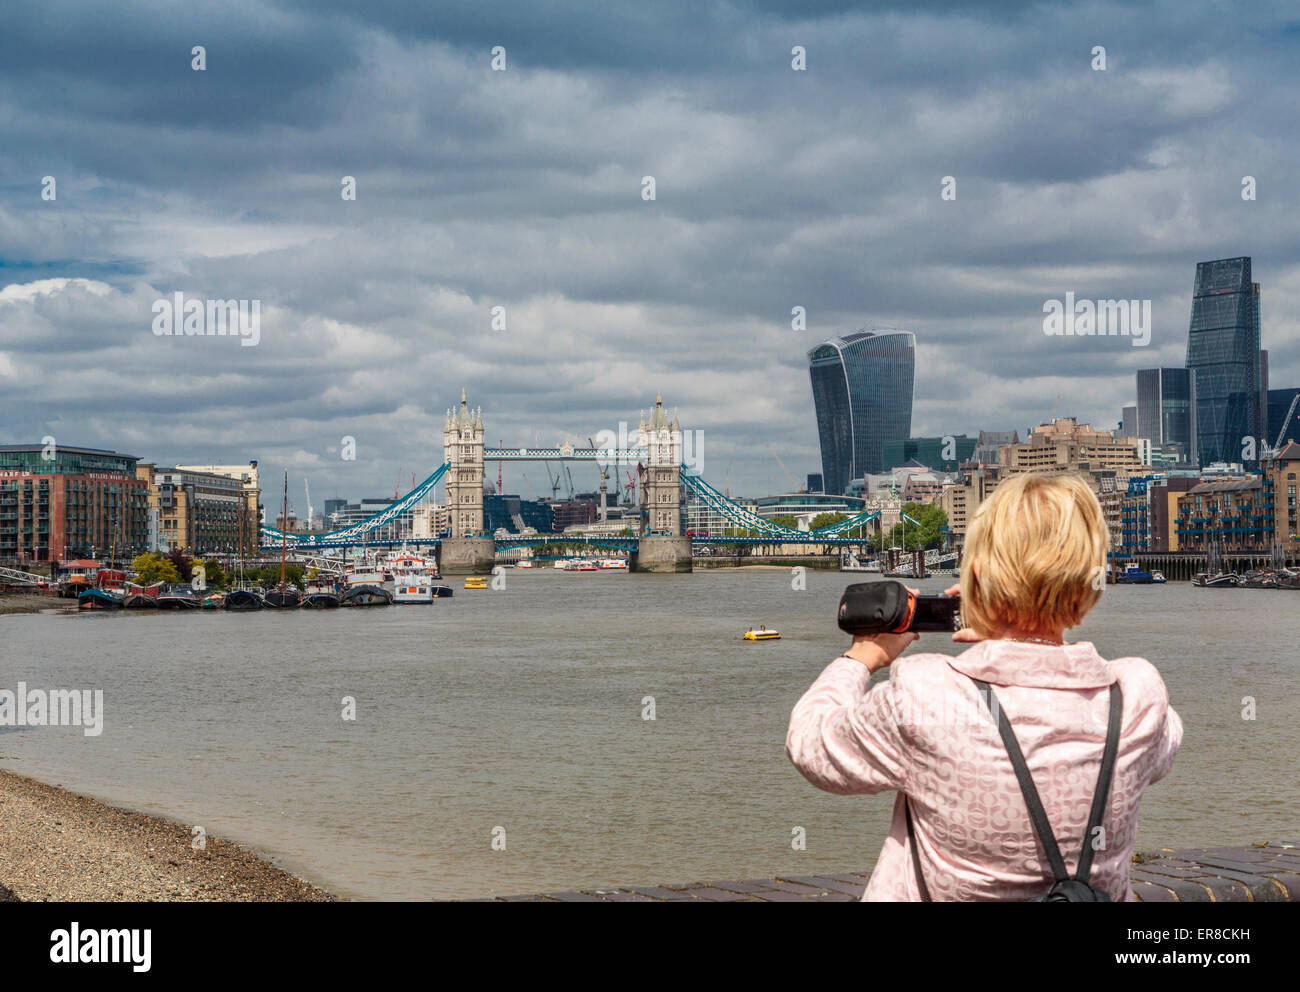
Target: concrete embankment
(57,845)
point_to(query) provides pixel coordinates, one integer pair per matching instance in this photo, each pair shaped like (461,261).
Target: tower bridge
(659,545)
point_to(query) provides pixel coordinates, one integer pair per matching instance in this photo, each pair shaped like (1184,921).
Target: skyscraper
(1166,408)
(1224,356)
(862,387)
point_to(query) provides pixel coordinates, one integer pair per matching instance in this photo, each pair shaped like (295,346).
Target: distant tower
(660,476)
(462,445)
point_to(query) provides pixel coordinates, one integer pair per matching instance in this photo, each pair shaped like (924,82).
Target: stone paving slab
(1252,873)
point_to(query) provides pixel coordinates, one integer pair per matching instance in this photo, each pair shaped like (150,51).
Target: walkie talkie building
(862,389)
(1223,353)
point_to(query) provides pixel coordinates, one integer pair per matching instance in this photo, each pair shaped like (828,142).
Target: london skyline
(776,188)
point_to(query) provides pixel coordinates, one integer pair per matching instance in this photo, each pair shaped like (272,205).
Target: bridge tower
(662,546)
(466,550)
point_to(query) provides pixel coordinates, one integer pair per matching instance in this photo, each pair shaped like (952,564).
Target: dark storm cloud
(775,189)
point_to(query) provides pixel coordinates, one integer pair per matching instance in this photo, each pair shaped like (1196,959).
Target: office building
(1223,352)
(1166,409)
(862,386)
(943,454)
(1065,445)
(59,502)
(1128,419)
(200,512)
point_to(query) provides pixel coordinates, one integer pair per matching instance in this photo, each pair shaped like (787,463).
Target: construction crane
(631,484)
(555,482)
(568,476)
(1286,422)
(795,486)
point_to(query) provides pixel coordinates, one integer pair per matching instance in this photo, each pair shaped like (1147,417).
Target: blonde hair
(1038,545)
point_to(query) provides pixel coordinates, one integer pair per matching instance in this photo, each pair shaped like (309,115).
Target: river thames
(522,709)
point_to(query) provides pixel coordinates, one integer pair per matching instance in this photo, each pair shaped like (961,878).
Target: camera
(891,608)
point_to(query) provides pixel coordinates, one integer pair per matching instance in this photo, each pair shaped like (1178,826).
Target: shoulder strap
(916,857)
(1103,780)
(1036,812)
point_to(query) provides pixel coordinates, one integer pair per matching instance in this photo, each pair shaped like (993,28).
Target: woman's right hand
(965,635)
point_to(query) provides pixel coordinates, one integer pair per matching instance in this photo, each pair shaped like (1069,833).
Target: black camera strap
(1036,812)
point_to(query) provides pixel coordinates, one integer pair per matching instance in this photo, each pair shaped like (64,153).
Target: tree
(183,564)
(152,568)
(928,534)
(216,575)
(786,520)
(826,520)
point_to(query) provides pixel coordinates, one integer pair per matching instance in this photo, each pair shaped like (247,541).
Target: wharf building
(862,386)
(59,502)
(1252,514)
(1149,510)
(247,476)
(199,513)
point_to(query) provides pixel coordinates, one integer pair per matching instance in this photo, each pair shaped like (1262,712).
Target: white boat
(523,563)
(613,563)
(413,578)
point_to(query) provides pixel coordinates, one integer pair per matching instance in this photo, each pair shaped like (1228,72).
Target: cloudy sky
(523,189)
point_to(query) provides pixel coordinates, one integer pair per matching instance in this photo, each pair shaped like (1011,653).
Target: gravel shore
(60,846)
(23,602)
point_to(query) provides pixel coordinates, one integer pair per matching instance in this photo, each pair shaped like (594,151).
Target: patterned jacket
(926,734)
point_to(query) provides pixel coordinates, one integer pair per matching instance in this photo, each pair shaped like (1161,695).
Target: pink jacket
(926,733)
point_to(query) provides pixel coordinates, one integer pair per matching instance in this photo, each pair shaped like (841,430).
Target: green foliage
(183,564)
(928,535)
(786,520)
(152,568)
(826,520)
(216,575)
(268,576)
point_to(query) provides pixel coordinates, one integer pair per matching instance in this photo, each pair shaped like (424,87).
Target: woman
(1033,567)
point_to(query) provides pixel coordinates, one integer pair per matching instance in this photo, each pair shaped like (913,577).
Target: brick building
(61,502)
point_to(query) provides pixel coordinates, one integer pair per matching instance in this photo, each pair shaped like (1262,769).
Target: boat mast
(284,524)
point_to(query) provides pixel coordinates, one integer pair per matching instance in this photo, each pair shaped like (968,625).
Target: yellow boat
(476,582)
(762,634)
